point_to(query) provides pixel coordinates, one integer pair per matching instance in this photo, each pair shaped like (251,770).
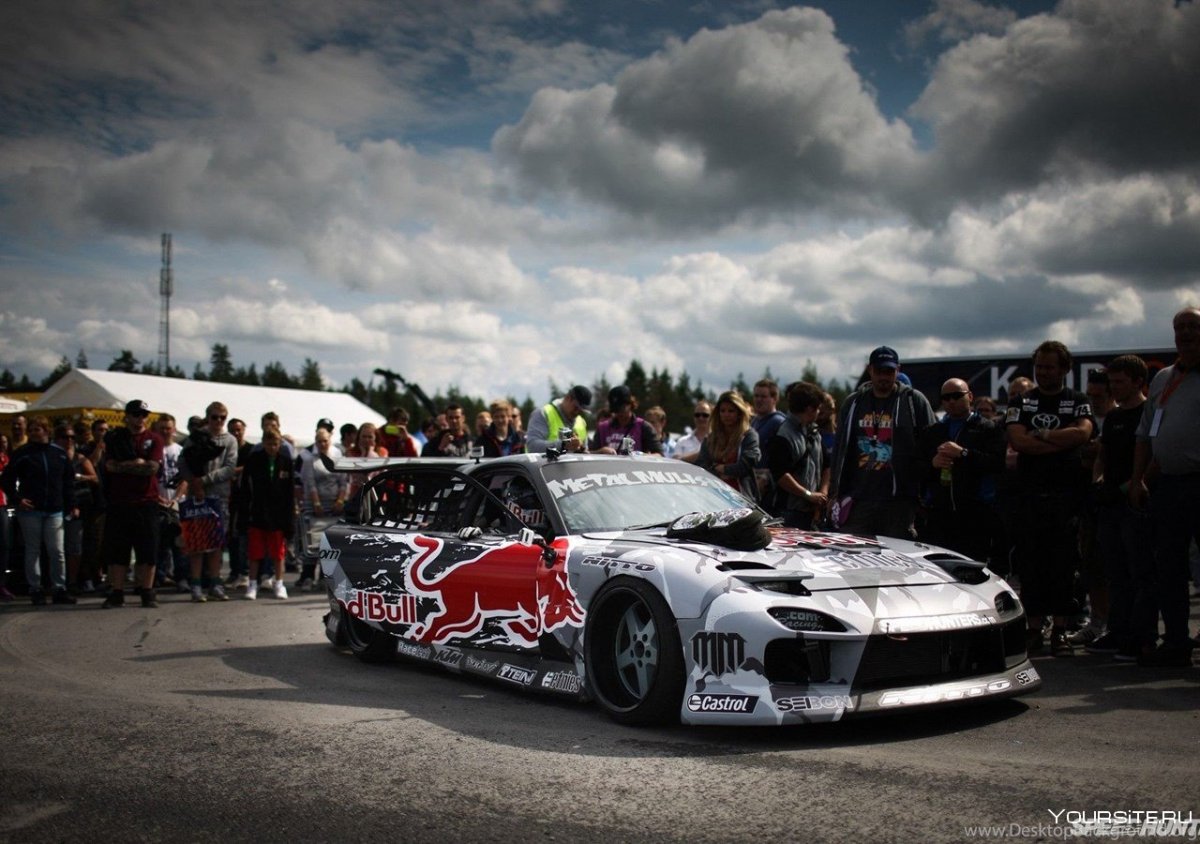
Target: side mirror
(528,536)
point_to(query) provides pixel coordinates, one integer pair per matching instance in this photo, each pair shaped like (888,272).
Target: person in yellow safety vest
(546,423)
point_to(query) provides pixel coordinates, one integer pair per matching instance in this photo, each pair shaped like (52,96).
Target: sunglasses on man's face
(701,415)
(955,396)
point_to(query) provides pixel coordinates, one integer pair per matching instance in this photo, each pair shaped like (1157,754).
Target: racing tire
(365,642)
(633,654)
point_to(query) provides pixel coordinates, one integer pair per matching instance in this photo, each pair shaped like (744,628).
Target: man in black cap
(133,455)
(624,424)
(547,423)
(877,466)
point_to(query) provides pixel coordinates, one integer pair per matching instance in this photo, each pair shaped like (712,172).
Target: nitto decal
(720,653)
(562,681)
(469,592)
(410,649)
(446,657)
(912,697)
(330,554)
(372,606)
(722,703)
(513,674)
(613,562)
(484,665)
(810,703)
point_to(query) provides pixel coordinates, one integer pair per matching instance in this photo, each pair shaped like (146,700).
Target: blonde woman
(731,450)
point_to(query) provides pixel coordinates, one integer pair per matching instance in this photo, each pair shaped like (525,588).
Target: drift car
(655,589)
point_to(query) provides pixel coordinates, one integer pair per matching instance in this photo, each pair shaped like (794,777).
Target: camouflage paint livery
(813,627)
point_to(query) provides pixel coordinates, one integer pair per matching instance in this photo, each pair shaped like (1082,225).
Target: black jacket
(973,478)
(267,499)
(43,474)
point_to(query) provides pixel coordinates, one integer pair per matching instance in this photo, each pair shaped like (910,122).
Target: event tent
(299,410)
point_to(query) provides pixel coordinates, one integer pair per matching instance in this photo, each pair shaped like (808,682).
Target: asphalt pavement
(239,721)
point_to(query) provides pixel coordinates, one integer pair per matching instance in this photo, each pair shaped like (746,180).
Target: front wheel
(365,642)
(634,657)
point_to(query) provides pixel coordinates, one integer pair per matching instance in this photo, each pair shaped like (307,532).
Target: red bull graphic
(372,606)
(508,584)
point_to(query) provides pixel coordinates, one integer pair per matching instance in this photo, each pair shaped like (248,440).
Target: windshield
(609,496)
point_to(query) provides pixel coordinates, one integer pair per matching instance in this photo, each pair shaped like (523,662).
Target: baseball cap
(137,407)
(327,424)
(581,394)
(885,357)
(618,397)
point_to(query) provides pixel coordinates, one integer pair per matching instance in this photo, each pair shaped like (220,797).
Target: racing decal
(718,653)
(483,666)
(515,674)
(373,606)
(938,694)
(843,561)
(491,586)
(613,562)
(414,650)
(1029,675)
(791,538)
(937,623)
(596,480)
(809,703)
(562,681)
(449,657)
(722,703)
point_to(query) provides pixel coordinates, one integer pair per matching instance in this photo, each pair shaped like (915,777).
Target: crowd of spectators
(1087,502)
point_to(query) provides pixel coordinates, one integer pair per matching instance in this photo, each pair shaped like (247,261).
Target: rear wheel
(634,657)
(365,642)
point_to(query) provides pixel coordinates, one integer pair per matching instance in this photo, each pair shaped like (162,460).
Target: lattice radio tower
(166,286)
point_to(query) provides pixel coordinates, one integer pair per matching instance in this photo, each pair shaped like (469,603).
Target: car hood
(823,561)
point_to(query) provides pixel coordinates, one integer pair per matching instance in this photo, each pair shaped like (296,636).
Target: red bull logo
(508,583)
(371,606)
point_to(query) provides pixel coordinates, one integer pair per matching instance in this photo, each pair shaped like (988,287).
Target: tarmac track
(239,722)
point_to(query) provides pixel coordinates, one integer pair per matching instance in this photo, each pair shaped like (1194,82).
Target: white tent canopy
(299,410)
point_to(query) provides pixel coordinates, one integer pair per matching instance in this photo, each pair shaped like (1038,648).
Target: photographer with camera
(453,440)
(560,424)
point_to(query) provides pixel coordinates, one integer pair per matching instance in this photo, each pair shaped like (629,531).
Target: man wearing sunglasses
(964,455)
(688,447)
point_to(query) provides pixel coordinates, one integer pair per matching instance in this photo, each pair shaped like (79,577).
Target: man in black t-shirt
(1124,534)
(1047,428)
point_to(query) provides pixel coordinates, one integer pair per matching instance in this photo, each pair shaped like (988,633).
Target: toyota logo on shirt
(1047,421)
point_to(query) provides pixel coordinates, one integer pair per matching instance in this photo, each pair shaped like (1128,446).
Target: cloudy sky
(496,194)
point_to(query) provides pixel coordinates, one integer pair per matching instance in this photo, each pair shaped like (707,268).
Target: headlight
(806,620)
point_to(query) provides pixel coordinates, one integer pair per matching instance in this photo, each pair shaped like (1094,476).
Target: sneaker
(198,595)
(251,591)
(182,586)
(231,580)
(1167,656)
(165,582)
(1087,634)
(1106,644)
(88,588)
(218,593)
(243,582)
(304,584)
(267,583)
(114,599)
(280,590)
(1035,642)
(37,597)
(1059,644)
(62,596)
(149,600)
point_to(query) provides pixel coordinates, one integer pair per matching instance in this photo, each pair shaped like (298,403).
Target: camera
(565,434)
